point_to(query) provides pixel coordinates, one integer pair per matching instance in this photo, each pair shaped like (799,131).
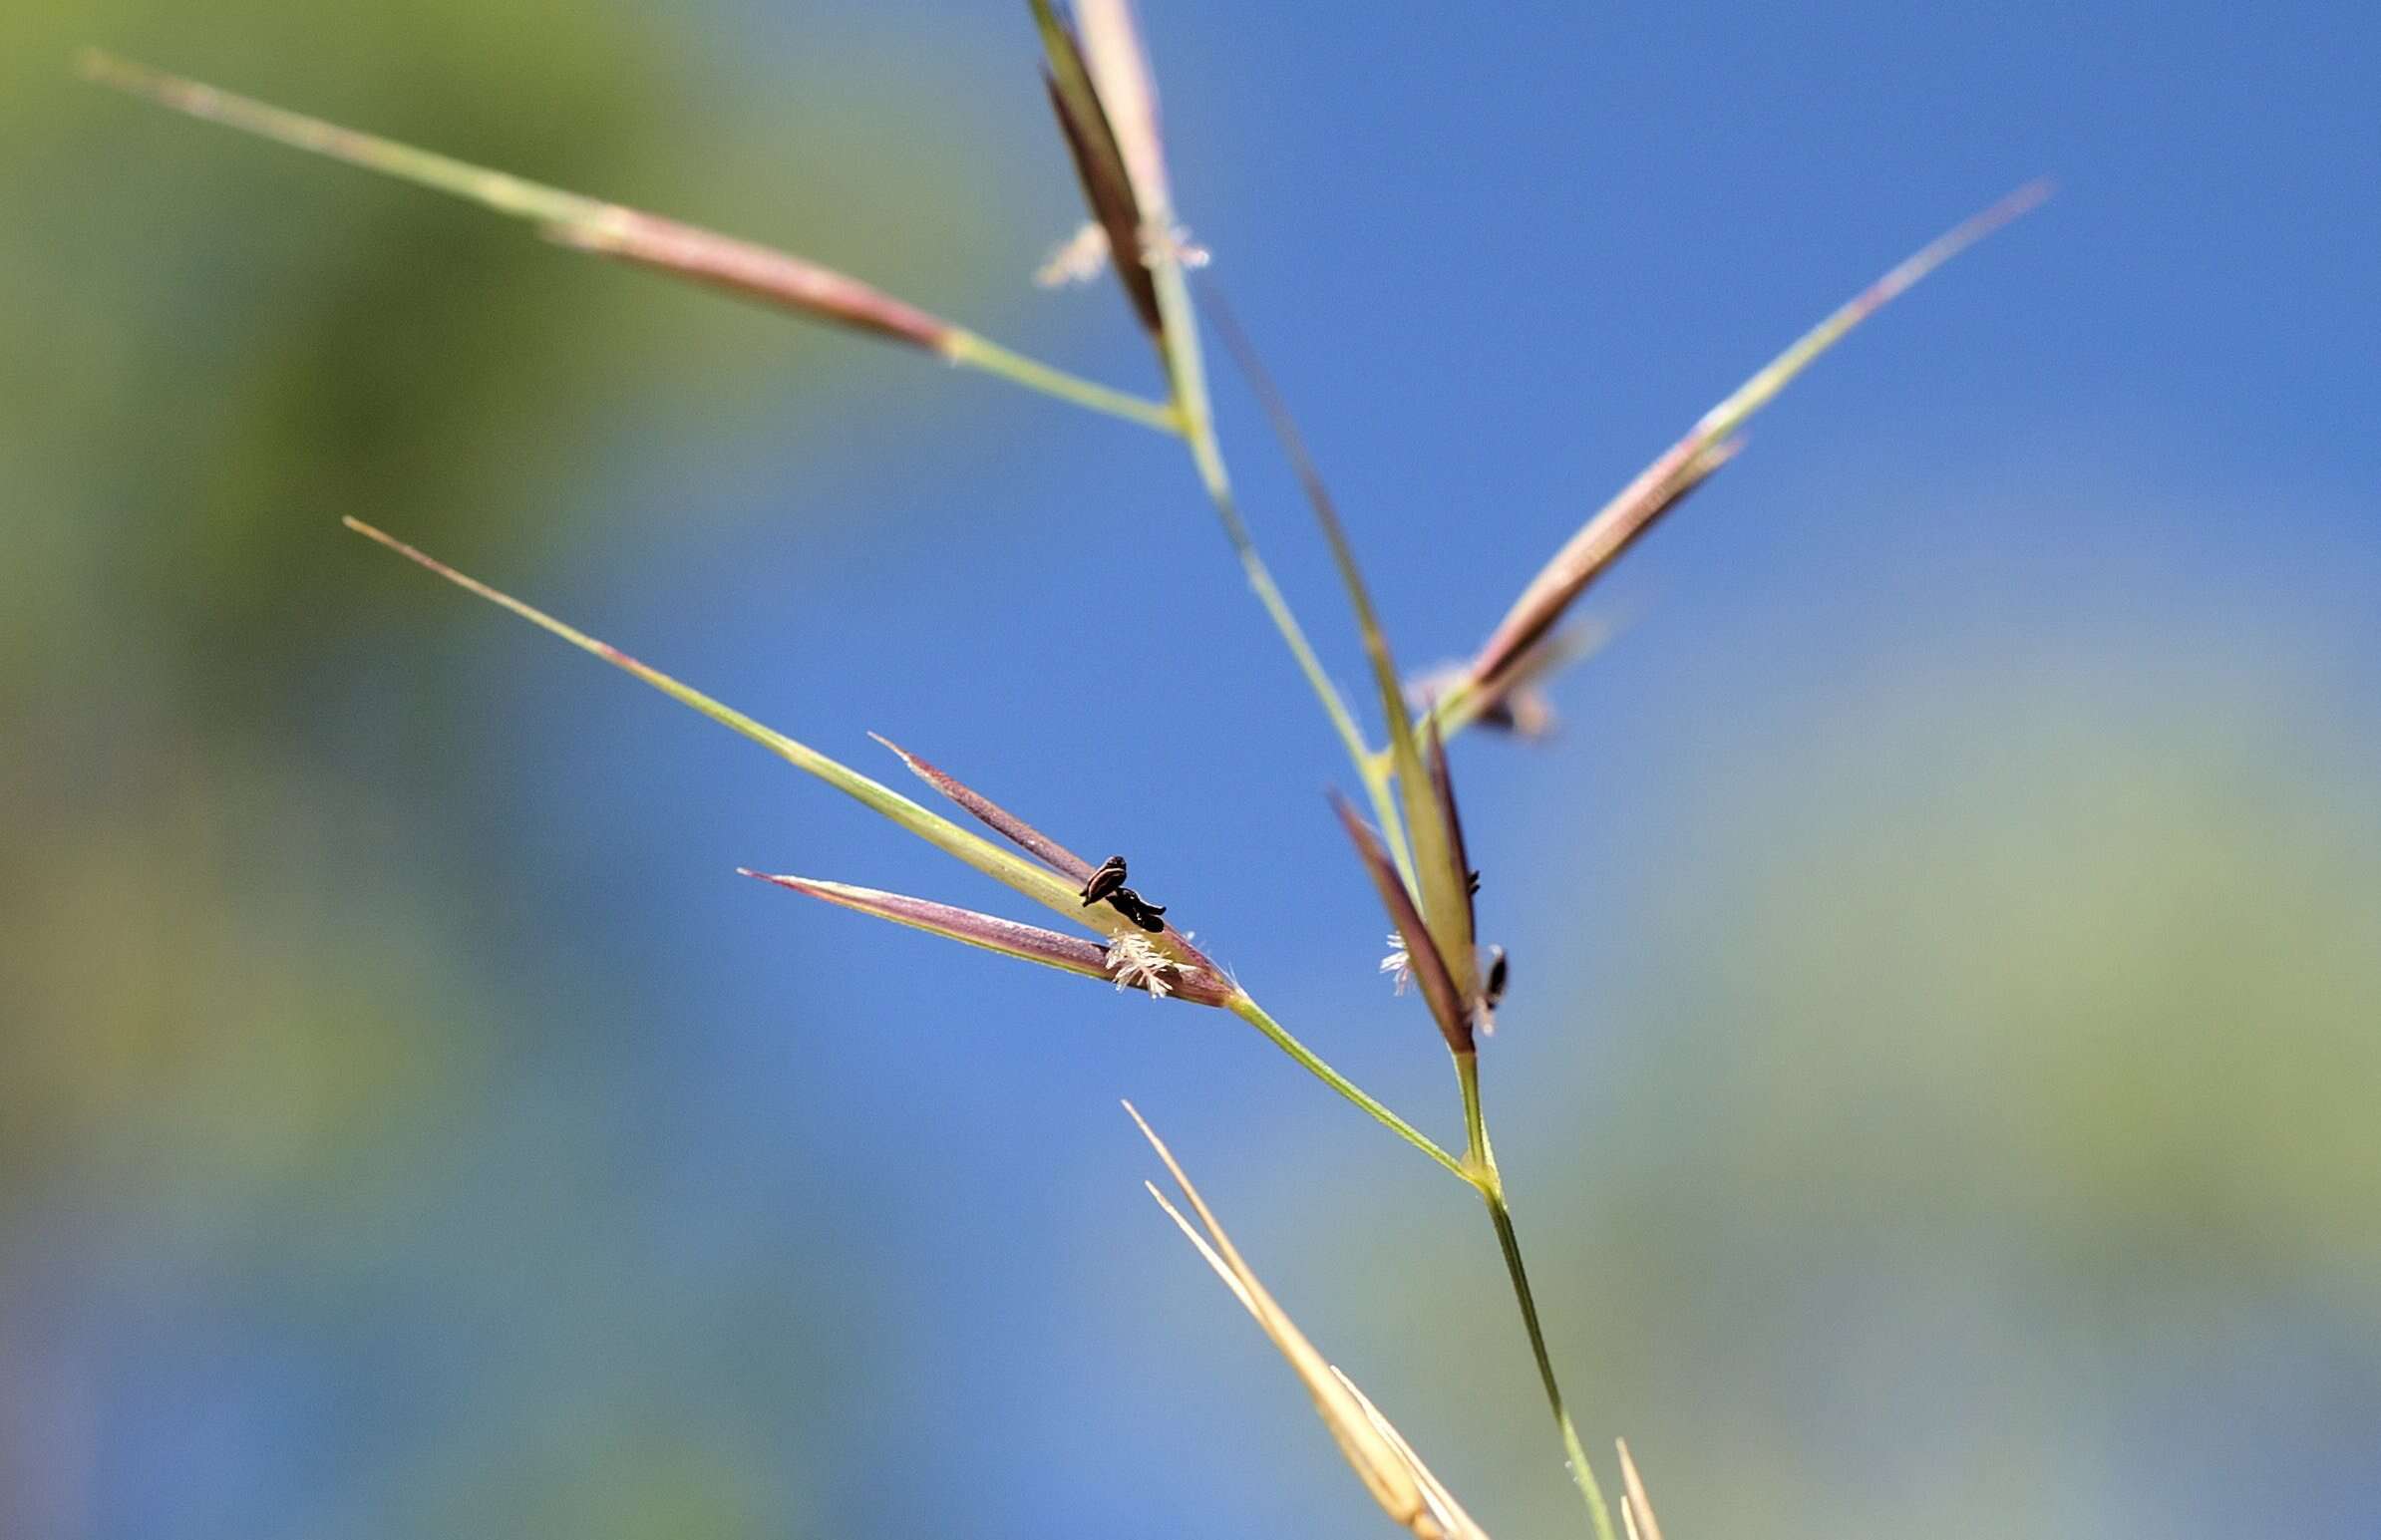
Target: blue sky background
(1936,1088)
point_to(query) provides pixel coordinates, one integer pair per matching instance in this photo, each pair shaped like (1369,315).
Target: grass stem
(1480,1164)
(1254,1015)
(976,351)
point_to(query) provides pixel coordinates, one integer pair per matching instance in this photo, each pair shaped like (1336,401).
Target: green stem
(1251,1011)
(1479,1162)
(1458,708)
(1209,460)
(976,351)
(1480,1158)
(1401,766)
(1207,456)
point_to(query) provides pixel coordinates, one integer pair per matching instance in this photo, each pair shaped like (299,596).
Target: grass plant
(1408,838)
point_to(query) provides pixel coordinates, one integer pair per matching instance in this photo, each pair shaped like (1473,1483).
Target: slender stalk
(1197,428)
(977,352)
(1209,460)
(1197,424)
(1268,593)
(1480,1158)
(1582,1473)
(1480,1166)
(1382,773)
(1251,1011)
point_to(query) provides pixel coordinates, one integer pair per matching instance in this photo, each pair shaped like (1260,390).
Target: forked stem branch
(1254,1015)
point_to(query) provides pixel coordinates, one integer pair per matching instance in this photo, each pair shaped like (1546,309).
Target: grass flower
(1132,961)
(1423,958)
(1053,877)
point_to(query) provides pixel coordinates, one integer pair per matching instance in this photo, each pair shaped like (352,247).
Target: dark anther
(1473,885)
(1129,904)
(1109,882)
(1105,881)
(1494,990)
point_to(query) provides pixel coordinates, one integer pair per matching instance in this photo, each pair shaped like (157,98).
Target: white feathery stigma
(1135,964)
(1077,259)
(1083,255)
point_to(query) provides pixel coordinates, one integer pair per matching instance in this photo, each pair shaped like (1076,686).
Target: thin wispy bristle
(1432,843)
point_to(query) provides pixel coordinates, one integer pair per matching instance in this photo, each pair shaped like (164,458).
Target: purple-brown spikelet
(1686,465)
(1146,969)
(1658,489)
(1016,830)
(1032,841)
(1430,968)
(572,219)
(1102,90)
(754,272)
(1105,191)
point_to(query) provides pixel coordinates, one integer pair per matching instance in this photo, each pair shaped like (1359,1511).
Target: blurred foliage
(252,1044)
(1980,1122)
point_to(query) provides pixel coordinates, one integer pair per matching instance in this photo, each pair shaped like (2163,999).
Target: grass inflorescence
(1411,850)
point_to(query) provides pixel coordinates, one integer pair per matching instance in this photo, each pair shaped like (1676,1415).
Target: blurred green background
(1939,1085)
